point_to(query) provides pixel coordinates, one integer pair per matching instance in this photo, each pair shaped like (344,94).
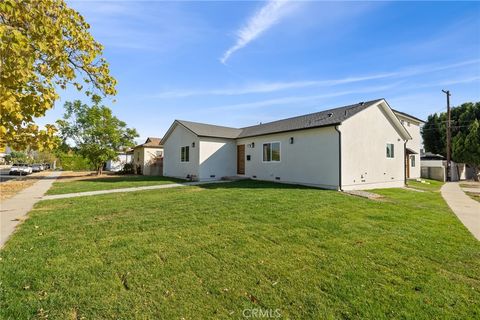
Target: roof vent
(330,115)
(346,112)
(362,103)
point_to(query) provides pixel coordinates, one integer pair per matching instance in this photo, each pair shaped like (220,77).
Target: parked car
(21,169)
(36,167)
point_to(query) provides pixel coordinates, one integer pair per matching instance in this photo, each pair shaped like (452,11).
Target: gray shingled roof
(209,130)
(313,120)
(407,115)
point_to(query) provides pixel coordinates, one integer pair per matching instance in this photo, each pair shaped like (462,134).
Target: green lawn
(429,185)
(474,196)
(106,183)
(210,252)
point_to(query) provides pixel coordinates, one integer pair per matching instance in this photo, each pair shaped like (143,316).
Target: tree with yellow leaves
(44,45)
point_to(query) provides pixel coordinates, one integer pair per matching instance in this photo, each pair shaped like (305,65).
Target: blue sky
(241,63)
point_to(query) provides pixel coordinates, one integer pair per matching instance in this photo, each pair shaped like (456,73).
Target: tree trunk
(99,170)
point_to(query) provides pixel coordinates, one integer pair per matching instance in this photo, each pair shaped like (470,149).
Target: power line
(455,127)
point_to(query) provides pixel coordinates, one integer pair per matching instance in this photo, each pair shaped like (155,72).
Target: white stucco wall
(151,165)
(138,157)
(311,160)
(433,163)
(118,164)
(145,158)
(364,161)
(413,128)
(172,166)
(217,158)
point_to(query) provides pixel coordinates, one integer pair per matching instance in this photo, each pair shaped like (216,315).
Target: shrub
(74,162)
(128,168)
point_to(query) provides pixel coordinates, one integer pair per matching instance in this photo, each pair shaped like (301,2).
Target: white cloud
(258,23)
(299,99)
(265,87)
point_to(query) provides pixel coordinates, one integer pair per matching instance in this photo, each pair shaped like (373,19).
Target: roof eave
(406,115)
(291,130)
(214,136)
(403,132)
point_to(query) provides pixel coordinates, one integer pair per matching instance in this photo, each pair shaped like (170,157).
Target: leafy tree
(73,161)
(17,157)
(465,134)
(95,131)
(466,147)
(434,134)
(44,157)
(44,45)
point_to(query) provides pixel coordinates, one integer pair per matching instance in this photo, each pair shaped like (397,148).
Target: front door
(241,159)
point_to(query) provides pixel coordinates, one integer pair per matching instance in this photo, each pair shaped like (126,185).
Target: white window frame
(279,152)
(412,161)
(185,159)
(393,149)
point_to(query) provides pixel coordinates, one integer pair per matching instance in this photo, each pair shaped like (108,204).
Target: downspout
(405,162)
(339,158)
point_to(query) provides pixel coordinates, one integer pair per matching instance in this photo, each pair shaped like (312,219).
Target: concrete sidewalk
(133,189)
(466,209)
(14,210)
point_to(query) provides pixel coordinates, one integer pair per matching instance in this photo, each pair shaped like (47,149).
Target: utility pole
(449,135)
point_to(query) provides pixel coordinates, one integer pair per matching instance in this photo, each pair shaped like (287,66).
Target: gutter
(340,157)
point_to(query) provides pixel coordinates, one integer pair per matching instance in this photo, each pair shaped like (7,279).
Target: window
(390,150)
(185,154)
(271,152)
(412,161)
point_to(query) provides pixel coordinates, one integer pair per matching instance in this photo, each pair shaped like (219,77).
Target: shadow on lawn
(106,177)
(78,176)
(255,184)
(128,178)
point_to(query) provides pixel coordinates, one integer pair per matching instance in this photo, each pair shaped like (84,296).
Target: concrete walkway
(15,209)
(466,209)
(133,189)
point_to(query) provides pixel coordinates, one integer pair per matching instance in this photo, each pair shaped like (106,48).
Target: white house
(412,156)
(117,164)
(359,146)
(148,157)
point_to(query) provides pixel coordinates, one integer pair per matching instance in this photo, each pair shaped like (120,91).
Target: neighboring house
(412,156)
(148,157)
(434,166)
(123,158)
(360,146)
